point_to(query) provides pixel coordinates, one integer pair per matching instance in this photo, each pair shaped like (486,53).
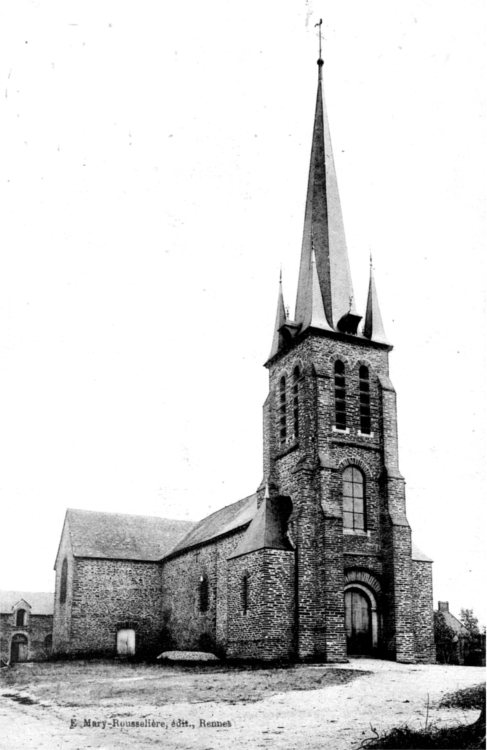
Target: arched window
(245,593)
(353,499)
(282,411)
(296,376)
(340,406)
(364,400)
(203,592)
(20,619)
(64,582)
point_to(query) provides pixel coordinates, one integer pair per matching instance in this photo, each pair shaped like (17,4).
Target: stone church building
(318,563)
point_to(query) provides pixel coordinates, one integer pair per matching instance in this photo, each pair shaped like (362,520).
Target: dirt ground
(109,705)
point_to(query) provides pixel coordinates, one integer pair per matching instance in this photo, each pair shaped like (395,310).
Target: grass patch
(471,697)
(460,737)
(468,737)
(116,684)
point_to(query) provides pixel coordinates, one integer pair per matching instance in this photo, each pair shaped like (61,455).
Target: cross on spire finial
(320,61)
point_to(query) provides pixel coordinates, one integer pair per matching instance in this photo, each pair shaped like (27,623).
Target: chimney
(443,607)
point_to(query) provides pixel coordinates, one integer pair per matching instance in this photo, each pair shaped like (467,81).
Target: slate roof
(119,536)
(233,517)
(418,555)
(41,602)
(324,233)
(221,522)
(267,529)
(453,622)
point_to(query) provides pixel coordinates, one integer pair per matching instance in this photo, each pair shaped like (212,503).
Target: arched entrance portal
(358,622)
(18,648)
(362,594)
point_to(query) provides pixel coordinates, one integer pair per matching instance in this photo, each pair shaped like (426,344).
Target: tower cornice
(357,341)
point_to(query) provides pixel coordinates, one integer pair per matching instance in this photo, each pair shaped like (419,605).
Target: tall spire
(280,319)
(373,326)
(324,232)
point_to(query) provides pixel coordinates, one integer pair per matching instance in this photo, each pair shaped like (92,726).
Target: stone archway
(362,616)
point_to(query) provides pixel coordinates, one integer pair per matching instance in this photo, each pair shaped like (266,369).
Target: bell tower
(330,444)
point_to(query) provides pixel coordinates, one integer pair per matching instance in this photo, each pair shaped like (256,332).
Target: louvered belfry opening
(364,400)
(340,394)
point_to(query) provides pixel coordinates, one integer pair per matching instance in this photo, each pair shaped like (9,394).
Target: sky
(154,168)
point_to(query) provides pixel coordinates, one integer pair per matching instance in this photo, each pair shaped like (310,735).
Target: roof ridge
(22,591)
(253,494)
(133,515)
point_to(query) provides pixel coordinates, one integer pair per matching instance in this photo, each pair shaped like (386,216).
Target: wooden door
(19,648)
(358,622)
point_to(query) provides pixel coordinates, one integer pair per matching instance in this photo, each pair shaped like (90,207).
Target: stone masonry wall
(308,468)
(186,627)
(266,630)
(111,595)
(424,639)
(62,611)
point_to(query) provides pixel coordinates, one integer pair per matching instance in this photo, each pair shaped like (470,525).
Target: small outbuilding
(26,619)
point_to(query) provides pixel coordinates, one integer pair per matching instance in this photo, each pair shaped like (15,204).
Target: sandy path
(336,717)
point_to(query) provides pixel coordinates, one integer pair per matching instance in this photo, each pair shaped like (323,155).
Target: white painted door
(126,642)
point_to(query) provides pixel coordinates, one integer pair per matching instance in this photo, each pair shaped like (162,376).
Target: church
(318,564)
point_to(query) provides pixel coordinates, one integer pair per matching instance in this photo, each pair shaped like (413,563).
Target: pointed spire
(280,319)
(323,229)
(373,326)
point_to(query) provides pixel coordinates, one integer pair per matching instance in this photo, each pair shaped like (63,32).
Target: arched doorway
(360,621)
(18,648)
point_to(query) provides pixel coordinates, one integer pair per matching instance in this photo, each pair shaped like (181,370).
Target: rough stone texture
(111,595)
(423,612)
(185,625)
(266,629)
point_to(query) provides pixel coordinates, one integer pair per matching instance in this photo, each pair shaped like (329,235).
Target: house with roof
(454,643)
(26,619)
(318,563)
